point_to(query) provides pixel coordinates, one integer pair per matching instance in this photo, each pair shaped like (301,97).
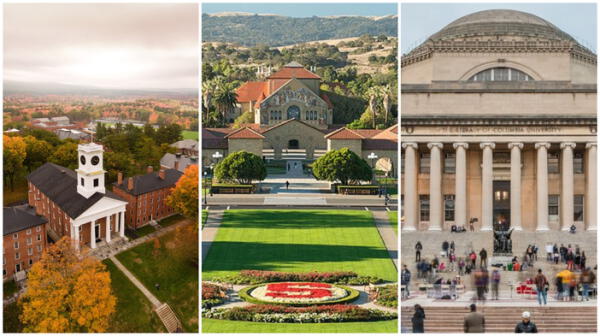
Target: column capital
(591,144)
(414,145)
(483,145)
(538,145)
(564,145)
(460,144)
(515,144)
(435,144)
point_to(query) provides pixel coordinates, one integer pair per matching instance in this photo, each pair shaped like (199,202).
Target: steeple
(90,174)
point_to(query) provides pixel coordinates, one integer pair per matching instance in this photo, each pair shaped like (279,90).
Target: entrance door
(97,228)
(293,144)
(501,205)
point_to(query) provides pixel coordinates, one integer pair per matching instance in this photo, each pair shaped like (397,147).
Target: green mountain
(273,30)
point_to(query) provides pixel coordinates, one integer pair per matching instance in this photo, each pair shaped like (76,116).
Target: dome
(501,22)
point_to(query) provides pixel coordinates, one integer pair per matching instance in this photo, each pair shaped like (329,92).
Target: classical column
(108,228)
(435,187)
(410,186)
(567,185)
(590,186)
(460,189)
(542,185)
(93,234)
(75,235)
(122,226)
(487,186)
(515,185)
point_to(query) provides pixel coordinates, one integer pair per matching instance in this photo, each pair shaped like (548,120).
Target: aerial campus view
(100,150)
(499,150)
(299,168)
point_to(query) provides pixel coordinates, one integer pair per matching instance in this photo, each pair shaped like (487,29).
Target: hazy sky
(130,46)
(305,9)
(419,21)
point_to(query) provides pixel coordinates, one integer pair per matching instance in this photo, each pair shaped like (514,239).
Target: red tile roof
(293,72)
(251,91)
(244,133)
(344,134)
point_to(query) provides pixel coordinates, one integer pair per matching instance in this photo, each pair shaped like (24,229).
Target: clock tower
(90,174)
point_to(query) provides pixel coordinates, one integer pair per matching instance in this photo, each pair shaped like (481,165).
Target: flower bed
(387,296)
(312,314)
(257,277)
(212,295)
(298,293)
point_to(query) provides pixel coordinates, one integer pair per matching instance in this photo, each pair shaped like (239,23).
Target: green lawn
(134,312)
(222,326)
(11,323)
(178,277)
(204,216)
(298,241)
(143,231)
(393,215)
(190,135)
(171,220)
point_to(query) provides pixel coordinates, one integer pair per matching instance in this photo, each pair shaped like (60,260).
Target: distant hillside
(250,30)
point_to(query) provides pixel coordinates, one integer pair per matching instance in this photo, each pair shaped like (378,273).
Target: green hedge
(359,187)
(244,294)
(223,185)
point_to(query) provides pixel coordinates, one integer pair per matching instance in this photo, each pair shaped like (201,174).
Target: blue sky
(305,9)
(419,21)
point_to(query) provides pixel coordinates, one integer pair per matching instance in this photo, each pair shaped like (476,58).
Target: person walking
(495,284)
(474,321)
(541,285)
(405,281)
(563,253)
(418,248)
(559,288)
(287,185)
(526,326)
(445,246)
(586,280)
(418,323)
(483,258)
(461,266)
(583,259)
(473,257)
(570,260)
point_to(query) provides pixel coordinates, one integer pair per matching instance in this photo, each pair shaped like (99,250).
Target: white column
(567,185)
(108,228)
(591,212)
(410,186)
(542,185)
(435,187)
(93,234)
(74,235)
(487,186)
(122,225)
(515,185)
(460,189)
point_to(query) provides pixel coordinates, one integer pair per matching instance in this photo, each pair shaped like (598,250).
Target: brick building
(24,240)
(74,202)
(146,194)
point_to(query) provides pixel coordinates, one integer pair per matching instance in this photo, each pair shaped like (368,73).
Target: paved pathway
(209,232)
(155,302)
(387,233)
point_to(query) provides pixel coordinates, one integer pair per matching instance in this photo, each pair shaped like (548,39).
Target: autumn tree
(38,152)
(65,155)
(14,152)
(67,293)
(184,198)
(186,240)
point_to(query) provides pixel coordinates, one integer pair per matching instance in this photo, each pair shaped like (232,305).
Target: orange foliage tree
(67,293)
(184,197)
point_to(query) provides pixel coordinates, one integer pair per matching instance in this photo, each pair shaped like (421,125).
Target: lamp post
(217,155)
(204,187)
(374,157)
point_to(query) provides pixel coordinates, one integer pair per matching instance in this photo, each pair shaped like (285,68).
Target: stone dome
(501,23)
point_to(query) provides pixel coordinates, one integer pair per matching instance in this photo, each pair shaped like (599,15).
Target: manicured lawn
(11,323)
(393,215)
(143,231)
(298,241)
(10,288)
(190,135)
(204,216)
(134,313)
(177,277)
(221,326)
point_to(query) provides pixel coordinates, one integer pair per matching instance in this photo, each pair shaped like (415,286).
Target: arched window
(500,74)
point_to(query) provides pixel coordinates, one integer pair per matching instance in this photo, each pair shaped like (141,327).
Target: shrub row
(388,296)
(282,314)
(255,277)
(244,294)
(212,295)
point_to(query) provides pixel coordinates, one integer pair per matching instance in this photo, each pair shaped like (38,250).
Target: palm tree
(387,103)
(225,97)
(207,95)
(374,94)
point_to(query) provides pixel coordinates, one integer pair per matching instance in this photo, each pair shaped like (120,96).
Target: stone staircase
(168,318)
(565,319)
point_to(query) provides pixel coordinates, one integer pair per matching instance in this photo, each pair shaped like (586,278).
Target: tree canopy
(184,197)
(241,167)
(342,165)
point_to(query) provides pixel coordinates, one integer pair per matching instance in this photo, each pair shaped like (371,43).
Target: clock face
(95,160)
(82,160)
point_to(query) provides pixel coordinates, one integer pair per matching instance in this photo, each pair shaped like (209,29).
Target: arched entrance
(293,144)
